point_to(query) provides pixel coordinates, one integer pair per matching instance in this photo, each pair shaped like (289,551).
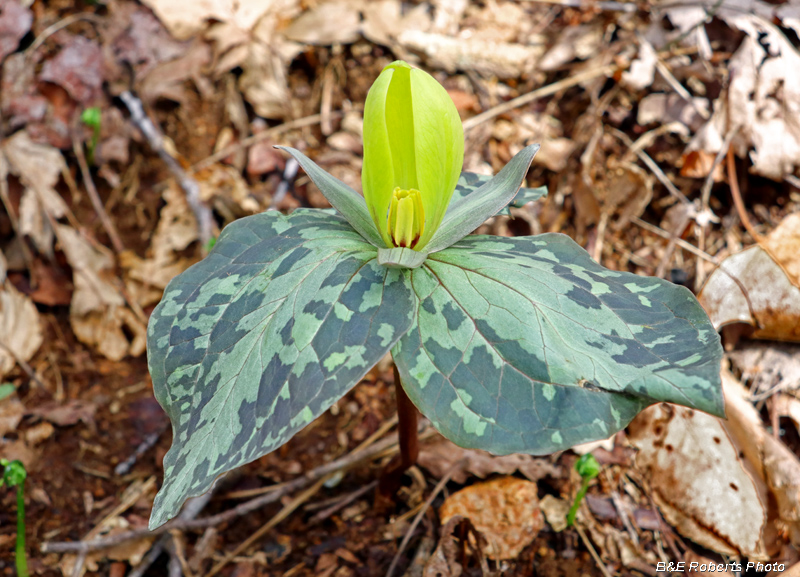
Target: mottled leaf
(469,182)
(247,347)
(527,345)
(471,211)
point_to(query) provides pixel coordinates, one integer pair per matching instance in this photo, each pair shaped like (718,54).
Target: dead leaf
(446,560)
(751,287)
(501,59)
(98,314)
(665,108)
(39,433)
(78,69)
(11,413)
(39,167)
(20,330)
(774,462)
(574,42)
(328,23)
(66,414)
(555,511)
(15,22)
(696,473)
(505,510)
(767,368)
(439,458)
(642,71)
(185,18)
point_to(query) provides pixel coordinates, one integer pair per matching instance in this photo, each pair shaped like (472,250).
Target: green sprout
(92,118)
(511,345)
(14,475)
(588,468)
(211,243)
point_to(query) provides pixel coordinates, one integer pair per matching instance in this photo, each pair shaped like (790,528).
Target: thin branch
(111,231)
(428,502)
(678,241)
(542,92)
(153,135)
(733,182)
(299,483)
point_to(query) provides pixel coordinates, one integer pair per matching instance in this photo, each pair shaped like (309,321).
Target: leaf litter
(291,60)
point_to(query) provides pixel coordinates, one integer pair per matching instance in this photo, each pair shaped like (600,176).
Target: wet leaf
(247,347)
(527,345)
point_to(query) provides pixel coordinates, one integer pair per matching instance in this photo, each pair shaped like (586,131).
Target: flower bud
(413,154)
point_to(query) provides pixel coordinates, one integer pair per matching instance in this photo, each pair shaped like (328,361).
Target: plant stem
(407,417)
(21,558)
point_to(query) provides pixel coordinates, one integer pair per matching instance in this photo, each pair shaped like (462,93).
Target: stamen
(406,217)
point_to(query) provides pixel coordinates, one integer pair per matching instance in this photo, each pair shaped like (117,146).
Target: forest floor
(670,140)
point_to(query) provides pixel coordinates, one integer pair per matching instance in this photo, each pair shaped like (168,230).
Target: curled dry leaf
(439,459)
(326,24)
(760,286)
(696,475)
(505,510)
(39,167)
(773,462)
(20,330)
(98,314)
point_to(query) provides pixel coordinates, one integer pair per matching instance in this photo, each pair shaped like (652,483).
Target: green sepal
(347,201)
(471,211)
(469,182)
(248,346)
(526,345)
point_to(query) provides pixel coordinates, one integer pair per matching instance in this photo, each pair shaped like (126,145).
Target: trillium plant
(505,344)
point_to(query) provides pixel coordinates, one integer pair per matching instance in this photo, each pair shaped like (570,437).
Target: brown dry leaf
(66,414)
(774,462)
(439,459)
(486,57)
(751,287)
(20,330)
(769,368)
(642,70)
(446,560)
(328,23)
(185,18)
(574,42)
(764,100)
(555,511)
(665,108)
(11,413)
(505,510)
(176,230)
(168,79)
(78,69)
(15,22)
(39,167)
(696,474)
(98,314)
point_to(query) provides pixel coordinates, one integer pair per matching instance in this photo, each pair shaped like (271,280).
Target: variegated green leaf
(281,319)
(527,345)
(469,182)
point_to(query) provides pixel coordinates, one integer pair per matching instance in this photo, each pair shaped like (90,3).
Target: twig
(548,90)
(325,513)
(265,135)
(678,241)
(651,164)
(425,506)
(705,194)
(608,5)
(109,227)
(149,441)
(190,511)
(592,552)
(733,182)
(201,212)
(342,463)
(61,24)
(282,514)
